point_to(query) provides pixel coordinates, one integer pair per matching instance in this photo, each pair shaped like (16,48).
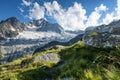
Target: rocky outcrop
(104,35)
(12,52)
(46,26)
(10,27)
(49,57)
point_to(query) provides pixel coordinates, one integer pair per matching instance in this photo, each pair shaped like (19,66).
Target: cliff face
(10,27)
(104,35)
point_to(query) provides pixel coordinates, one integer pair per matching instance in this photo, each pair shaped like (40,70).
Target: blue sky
(69,13)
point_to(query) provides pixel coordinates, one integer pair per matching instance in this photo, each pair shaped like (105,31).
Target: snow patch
(13,29)
(36,35)
(31,28)
(30,32)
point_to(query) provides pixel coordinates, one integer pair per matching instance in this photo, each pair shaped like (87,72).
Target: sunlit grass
(79,62)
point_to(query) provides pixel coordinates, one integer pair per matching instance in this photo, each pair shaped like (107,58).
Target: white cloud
(101,8)
(21,10)
(71,19)
(26,3)
(108,18)
(53,8)
(75,16)
(37,12)
(114,15)
(117,10)
(95,16)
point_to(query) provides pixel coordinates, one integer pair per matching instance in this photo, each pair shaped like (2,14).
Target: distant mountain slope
(55,43)
(19,39)
(46,26)
(104,35)
(10,27)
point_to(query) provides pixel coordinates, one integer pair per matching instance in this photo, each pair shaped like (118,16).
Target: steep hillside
(104,35)
(76,62)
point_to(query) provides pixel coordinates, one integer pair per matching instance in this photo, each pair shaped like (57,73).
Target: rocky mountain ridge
(104,35)
(10,27)
(27,38)
(45,26)
(21,39)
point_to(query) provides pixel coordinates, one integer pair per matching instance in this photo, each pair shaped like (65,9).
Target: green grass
(93,33)
(78,62)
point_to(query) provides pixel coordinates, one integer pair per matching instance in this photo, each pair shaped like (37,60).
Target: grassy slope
(77,62)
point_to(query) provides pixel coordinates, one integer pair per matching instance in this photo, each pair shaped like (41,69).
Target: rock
(49,57)
(104,35)
(10,27)
(46,26)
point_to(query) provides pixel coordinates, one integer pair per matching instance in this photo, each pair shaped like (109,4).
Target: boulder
(49,57)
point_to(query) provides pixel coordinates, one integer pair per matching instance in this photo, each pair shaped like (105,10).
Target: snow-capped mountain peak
(22,39)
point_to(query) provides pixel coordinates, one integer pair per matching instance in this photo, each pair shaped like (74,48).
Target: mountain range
(19,39)
(39,50)
(22,39)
